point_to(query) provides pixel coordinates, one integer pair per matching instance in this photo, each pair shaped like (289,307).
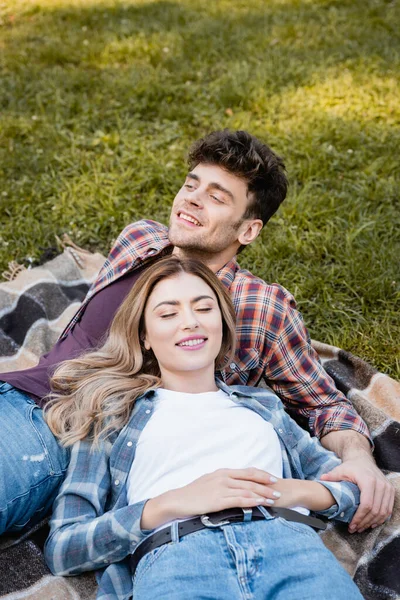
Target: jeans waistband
(219,519)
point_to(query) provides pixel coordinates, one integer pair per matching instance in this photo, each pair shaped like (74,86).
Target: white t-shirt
(189,435)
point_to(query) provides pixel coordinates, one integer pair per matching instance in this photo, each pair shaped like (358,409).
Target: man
(235,185)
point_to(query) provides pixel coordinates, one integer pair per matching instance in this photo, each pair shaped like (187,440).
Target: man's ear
(249,231)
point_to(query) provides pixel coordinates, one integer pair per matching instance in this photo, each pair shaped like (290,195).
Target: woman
(163,453)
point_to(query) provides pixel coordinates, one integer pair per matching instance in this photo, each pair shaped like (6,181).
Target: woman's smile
(192,343)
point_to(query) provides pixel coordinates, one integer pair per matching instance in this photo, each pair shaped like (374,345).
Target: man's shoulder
(247,283)
(144,228)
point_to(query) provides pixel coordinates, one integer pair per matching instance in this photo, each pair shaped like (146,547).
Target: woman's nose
(189,321)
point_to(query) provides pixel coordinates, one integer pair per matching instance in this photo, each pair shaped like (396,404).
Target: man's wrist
(348,444)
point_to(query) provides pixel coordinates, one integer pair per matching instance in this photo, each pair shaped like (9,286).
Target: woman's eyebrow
(203,297)
(176,302)
(169,302)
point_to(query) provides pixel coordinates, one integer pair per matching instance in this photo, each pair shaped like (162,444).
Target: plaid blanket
(34,308)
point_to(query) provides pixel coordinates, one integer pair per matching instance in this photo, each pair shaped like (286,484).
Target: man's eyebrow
(176,302)
(193,176)
(219,187)
(215,185)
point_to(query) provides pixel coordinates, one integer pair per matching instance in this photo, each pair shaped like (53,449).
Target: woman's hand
(224,488)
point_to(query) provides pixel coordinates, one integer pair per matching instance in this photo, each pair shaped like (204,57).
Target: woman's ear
(146,343)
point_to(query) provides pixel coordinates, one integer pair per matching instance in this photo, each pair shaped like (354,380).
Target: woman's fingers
(243,502)
(251,474)
(248,493)
(260,490)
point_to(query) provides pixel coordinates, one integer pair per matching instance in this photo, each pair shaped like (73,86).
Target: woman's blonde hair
(93,395)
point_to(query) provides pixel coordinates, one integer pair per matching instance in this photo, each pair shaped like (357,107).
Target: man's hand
(377,494)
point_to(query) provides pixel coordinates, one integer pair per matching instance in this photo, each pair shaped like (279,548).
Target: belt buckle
(205,519)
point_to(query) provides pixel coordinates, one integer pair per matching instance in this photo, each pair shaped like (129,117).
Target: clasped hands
(246,488)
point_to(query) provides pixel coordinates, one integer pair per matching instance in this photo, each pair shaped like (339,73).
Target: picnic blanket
(34,308)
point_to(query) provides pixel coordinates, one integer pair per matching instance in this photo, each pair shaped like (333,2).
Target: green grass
(99,101)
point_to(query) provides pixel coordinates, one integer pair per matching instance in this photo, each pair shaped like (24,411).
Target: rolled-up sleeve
(347,498)
(315,460)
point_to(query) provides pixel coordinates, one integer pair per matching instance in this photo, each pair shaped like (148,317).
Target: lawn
(100,99)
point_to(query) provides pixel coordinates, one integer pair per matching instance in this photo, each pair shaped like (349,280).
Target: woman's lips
(192,344)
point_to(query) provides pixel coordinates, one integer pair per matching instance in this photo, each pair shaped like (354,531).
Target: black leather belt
(218,519)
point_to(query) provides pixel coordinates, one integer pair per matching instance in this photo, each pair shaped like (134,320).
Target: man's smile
(188,218)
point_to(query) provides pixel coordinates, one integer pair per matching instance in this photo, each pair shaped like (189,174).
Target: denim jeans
(32,464)
(258,560)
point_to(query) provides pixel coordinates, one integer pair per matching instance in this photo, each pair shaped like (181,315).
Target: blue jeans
(32,464)
(259,560)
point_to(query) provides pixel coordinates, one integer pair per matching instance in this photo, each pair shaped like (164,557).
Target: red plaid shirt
(272,341)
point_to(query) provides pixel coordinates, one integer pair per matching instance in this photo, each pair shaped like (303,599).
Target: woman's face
(183,326)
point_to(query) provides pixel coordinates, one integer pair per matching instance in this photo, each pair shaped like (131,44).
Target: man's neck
(213,261)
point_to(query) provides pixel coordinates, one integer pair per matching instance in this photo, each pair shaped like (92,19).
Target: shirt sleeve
(84,536)
(294,372)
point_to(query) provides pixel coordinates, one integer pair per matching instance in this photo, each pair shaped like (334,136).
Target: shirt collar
(227,273)
(148,394)
(231,392)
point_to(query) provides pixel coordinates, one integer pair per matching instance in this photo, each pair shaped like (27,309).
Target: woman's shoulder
(263,394)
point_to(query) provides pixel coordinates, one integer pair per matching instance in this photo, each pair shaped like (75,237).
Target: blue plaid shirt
(94,528)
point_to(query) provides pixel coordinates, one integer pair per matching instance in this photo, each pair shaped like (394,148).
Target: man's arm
(377,494)
(295,373)
(293,370)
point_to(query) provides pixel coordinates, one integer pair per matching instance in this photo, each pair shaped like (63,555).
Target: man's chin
(182,239)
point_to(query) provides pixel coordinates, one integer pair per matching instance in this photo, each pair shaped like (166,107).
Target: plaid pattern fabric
(272,341)
(92,524)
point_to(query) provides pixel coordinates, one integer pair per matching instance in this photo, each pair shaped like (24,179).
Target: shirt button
(232,366)
(116,482)
(148,412)
(129,444)
(342,514)
(124,271)
(280,430)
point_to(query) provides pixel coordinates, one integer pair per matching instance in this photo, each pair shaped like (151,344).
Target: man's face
(207,213)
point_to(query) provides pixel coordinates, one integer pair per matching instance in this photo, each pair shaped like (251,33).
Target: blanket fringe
(65,242)
(73,249)
(13,270)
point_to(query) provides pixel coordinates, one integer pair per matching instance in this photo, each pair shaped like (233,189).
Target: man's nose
(195,199)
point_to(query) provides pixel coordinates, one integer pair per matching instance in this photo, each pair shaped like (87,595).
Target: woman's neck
(191,382)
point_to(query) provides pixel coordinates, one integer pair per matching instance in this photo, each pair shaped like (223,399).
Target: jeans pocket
(298,527)
(56,456)
(148,561)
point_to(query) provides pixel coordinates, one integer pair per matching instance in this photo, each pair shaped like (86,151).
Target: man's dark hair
(245,156)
